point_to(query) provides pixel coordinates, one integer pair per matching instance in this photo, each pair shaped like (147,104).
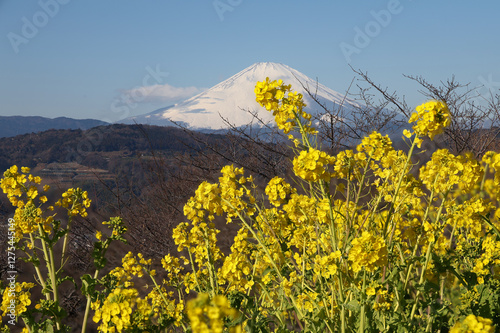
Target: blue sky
(82,58)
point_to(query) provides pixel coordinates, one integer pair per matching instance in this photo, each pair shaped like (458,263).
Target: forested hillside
(100,147)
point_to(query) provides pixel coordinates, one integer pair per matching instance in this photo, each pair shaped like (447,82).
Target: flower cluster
(116,312)
(376,146)
(135,266)
(431,117)
(287,106)
(368,252)
(348,165)
(277,190)
(446,170)
(16,183)
(20,294)
(327,265)
(172,266)
(212,200)
(268,93)
(490,255)
(312,165)
(207,315)
(165,308)
(234,194)
(474,324)
(22,189)
(492,161)
(75,201)
(236,270)
(117,225)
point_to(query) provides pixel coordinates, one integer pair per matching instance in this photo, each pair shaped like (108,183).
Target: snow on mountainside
(234,97)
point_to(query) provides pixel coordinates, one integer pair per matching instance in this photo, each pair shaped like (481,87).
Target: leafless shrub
(475,119)
(343,125)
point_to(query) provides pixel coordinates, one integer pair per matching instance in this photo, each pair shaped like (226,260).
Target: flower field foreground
(365,241)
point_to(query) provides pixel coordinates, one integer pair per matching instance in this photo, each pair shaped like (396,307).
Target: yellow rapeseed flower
(312,165)
(369,252)
(431,117)
(207,315)
(21,296)
(473,324)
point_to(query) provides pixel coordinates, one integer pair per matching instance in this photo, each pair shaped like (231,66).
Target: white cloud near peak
(160,94)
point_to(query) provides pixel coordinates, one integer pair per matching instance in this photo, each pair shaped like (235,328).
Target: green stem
(53,277)
(358,194)
(333,232)
(27,326)
(194,269)
(421,280)
(342,300)
(429,324)
(44,249)
(49,261)
(363,299)
(211,266)
(65,242)
(420,235)
(400,181)
(161,293)
(158,288)
(453,232)
(495,229)
(305,138)
(39,273)
(484,177)
(427,258)
(87,307)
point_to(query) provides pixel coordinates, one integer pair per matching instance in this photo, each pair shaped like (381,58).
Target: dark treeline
(97,147)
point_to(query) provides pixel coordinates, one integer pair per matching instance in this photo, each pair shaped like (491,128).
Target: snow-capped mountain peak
(234,100)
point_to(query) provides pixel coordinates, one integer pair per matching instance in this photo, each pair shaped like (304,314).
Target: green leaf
(66,278)
(353,305)
(49,329)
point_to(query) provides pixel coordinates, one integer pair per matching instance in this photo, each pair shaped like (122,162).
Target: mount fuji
(233,100)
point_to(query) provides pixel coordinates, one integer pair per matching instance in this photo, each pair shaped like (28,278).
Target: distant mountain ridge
(16,125)
(102,147)
(234,100)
